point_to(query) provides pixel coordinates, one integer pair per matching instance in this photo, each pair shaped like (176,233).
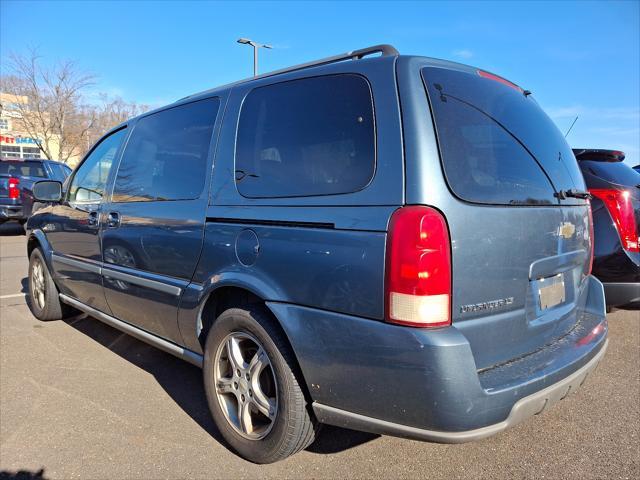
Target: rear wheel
(254,393)
(43,299)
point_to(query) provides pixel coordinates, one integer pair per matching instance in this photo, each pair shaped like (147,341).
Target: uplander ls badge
(475,307)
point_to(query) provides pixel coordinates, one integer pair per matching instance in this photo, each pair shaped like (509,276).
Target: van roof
(384,50)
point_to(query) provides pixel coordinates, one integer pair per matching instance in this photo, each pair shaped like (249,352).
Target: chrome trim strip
(90,267)
(141,281)
(165,345)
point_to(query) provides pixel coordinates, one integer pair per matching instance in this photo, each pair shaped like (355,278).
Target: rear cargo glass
(23,169)
(497,145)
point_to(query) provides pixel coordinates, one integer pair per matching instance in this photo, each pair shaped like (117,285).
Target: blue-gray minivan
(388,243)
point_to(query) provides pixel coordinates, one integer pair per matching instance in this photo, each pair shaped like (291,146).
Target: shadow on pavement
(13,229)
(334,440)
(183,383)
(22,475)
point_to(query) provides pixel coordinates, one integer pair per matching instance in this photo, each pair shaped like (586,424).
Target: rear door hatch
(520,225)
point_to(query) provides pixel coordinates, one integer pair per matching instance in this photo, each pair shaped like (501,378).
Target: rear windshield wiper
(573,193)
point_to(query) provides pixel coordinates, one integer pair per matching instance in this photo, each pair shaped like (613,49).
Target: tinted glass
(457,95)
(57,172)
(166,156)
(314,136)
(616,172)
(90,180)
(485,164)
(23,169)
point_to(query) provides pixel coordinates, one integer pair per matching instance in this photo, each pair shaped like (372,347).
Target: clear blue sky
(579,58)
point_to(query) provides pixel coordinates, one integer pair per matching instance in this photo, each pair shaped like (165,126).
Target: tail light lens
(418,268)
(620,207)
(14,191)
(591,238)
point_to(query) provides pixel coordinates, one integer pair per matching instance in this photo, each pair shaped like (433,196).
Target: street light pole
(256,46)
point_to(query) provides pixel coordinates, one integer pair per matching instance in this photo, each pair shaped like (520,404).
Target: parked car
(16,181)
(615,187)
(387,243)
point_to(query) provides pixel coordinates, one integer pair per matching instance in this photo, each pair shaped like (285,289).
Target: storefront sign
(19,140)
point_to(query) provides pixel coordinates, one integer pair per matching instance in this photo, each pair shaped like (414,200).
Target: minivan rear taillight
(418,283)
(618,202)
(14,191)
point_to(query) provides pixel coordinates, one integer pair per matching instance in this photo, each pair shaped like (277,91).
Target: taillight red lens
(591,238)
(14,191)
(418,286)
(618,203)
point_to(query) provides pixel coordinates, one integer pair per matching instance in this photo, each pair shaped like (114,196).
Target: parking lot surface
(79,399)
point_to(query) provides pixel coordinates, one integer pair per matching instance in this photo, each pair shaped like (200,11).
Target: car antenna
(574,122)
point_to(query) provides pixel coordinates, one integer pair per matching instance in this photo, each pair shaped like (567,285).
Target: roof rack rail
(384,50)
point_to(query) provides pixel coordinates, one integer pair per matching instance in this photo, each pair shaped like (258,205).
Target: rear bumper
(11,212)
(524,408)
(619,294)
(424,384)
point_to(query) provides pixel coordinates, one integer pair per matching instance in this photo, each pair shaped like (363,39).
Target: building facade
(15,141)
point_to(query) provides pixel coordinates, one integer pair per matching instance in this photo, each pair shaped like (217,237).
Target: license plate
(551,291)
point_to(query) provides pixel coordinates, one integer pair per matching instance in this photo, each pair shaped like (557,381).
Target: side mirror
(47,191)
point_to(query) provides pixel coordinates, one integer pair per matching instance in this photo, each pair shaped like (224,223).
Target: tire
(43,299)
(292,427)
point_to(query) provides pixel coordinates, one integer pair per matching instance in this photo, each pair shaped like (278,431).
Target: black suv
(615,187)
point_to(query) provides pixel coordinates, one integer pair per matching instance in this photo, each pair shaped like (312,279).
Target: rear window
(23,169)
(616,172)
(497,145)
(314,136)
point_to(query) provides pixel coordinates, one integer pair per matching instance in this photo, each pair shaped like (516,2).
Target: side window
(57,172)
(89,182)
(166,156)
(314,136)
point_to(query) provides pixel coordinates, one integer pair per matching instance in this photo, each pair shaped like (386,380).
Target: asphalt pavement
(79,399)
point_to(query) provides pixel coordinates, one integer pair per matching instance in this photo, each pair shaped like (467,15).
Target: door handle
(113,220)
(93,219)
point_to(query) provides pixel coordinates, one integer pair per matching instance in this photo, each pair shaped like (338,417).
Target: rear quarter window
(314,136)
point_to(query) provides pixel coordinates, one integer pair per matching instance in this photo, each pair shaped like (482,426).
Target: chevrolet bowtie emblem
(566,230)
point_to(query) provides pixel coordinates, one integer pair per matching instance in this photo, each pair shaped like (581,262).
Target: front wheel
(253,391)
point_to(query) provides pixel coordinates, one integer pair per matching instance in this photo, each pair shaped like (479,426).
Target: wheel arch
(232,295)
(36,239)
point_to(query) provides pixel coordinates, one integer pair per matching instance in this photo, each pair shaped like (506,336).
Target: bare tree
(49,104)
(111,112)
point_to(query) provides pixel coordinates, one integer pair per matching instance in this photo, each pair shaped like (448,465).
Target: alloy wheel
(37,284)
(245,385)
